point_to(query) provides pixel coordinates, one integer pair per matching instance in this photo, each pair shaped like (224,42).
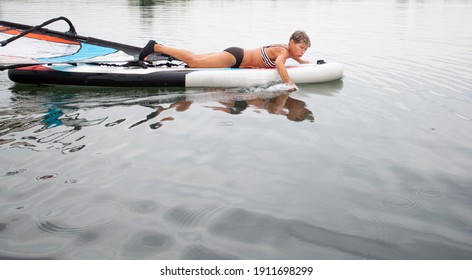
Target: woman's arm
(280,65)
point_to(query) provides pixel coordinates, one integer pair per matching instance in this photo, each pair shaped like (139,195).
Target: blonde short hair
(300,36)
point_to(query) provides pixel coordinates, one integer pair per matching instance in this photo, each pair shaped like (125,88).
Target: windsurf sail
(23,45)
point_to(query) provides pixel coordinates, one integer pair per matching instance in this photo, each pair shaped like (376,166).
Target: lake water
(375,166)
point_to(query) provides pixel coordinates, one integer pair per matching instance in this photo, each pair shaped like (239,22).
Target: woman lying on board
(272,56)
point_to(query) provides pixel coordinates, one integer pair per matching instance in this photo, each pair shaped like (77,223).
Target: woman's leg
(211,60)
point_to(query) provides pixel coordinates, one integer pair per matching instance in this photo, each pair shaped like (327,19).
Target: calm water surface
(375,166)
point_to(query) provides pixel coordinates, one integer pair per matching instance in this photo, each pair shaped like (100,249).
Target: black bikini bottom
(238,53)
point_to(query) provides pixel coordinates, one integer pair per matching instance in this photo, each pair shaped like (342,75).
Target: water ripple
(52,227)
(398,202)
(47,176)
(84,218)
(147,244)
(432,193)
(380,231)
(301,238)
(188,216)
(15,172)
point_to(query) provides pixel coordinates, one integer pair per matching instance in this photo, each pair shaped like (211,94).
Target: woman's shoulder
(274,51)
(284,46)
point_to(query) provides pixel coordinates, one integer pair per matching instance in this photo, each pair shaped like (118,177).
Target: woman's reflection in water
(293,109)
(285,105)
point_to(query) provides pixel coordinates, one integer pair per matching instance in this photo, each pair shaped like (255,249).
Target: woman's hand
(291,87)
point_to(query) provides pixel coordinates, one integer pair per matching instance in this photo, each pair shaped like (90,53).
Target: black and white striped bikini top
(269,63)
